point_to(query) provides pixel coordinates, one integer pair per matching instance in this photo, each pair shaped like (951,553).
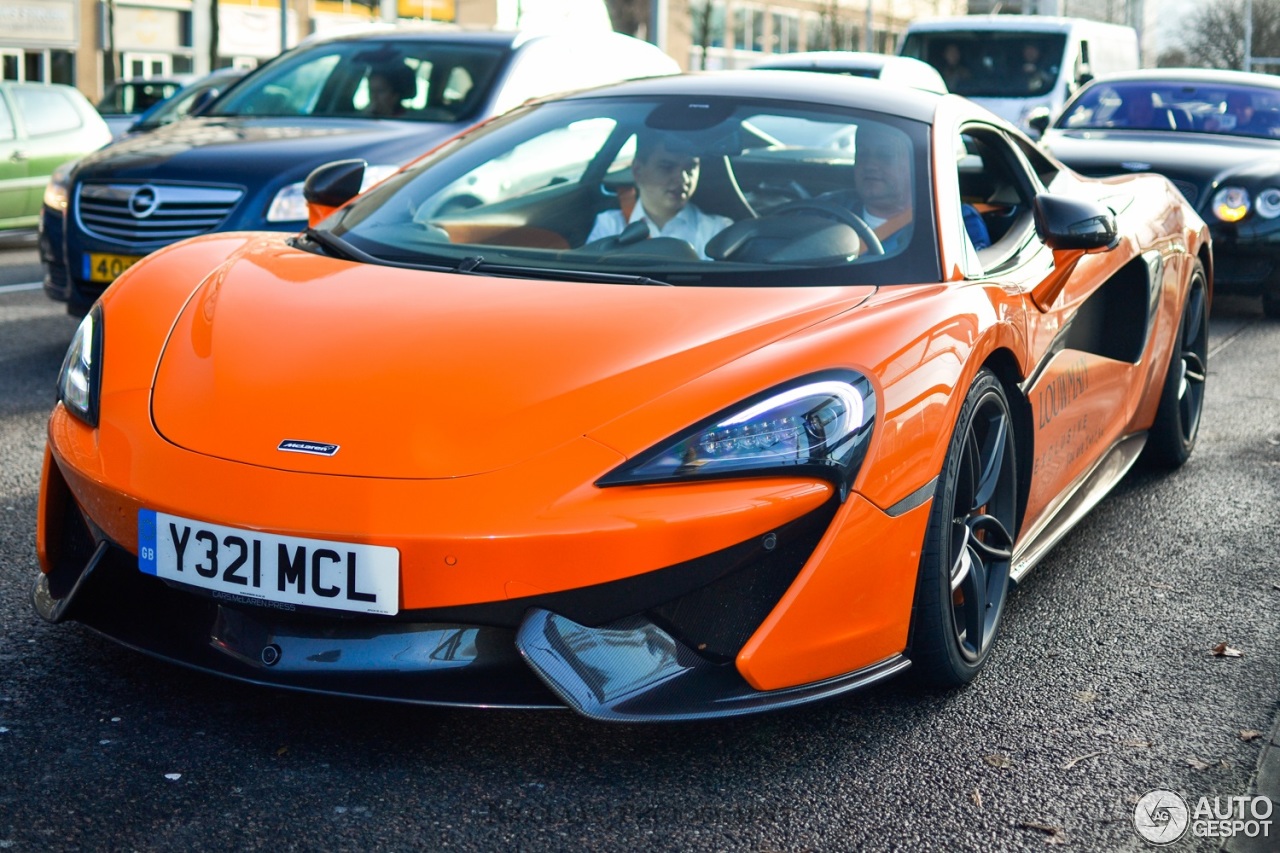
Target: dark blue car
(385,98)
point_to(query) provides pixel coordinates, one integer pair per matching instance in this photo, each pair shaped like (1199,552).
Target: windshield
(428,80)
(991,63)
(1171,105)
(717,191)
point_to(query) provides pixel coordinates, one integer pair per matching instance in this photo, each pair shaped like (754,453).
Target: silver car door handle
(18,156)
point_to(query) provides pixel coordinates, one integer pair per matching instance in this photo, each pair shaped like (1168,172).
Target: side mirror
(330,186)
(1066,223)
(1038,119)
(1071,227)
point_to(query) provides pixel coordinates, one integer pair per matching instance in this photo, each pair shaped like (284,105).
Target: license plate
(107,268)
(274,570)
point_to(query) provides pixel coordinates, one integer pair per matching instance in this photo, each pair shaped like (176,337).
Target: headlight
(1230,204)
(79,380)
(290,205)
(820,424)
(1268,203)
(58,189)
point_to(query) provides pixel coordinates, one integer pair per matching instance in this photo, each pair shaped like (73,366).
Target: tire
(964,570)
(1173,434)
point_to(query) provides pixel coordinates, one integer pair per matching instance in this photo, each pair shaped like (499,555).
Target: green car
(42,126)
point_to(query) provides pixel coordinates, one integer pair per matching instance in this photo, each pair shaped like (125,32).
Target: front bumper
(658,645)
(669,660)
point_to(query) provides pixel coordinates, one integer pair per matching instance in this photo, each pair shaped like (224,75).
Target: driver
(882,182)
(665,175)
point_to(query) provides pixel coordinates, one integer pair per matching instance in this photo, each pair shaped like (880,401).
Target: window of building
(786,32)
(748,29)
(708,23)
(62,67)
(831,31)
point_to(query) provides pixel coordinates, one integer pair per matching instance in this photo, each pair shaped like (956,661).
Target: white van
(1014,64)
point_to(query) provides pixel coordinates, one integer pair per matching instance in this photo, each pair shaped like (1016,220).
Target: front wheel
(964,570)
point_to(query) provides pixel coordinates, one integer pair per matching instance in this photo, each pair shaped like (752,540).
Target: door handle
(18,156)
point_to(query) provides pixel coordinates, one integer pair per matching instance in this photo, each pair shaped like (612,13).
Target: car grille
(152,213)
(1189,190)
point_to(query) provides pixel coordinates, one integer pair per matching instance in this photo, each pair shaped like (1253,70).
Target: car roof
(828,59)
(1192,75)
(497,38)
(802,86)
(1007,23)
(893,69)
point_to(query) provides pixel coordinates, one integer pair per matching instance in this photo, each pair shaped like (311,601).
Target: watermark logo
(1161,817)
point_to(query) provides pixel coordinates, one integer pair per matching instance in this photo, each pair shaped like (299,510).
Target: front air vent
(152,213)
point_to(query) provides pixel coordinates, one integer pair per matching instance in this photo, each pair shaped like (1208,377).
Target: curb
(1266,782)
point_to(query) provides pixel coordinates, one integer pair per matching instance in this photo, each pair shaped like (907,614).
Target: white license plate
(283,570)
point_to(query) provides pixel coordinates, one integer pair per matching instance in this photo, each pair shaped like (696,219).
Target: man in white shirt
(665,179)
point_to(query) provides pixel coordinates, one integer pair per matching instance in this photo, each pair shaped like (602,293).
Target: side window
(46,110)
(996,187)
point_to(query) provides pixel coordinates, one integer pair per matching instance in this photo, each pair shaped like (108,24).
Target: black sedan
(1215,134)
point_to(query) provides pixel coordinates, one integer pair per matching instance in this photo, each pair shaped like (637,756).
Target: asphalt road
(1103,687)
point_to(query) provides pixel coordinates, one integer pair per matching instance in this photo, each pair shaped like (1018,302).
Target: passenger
(882,190)
(1237,116)
(1036,76)
(666,176)
(389,87)
(953,69)
(1138,111)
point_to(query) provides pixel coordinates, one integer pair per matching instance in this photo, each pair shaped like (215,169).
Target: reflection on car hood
(1189,155)
(250,151)
(429,375)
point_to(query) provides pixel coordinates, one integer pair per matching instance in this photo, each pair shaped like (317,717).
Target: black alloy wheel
(964,571)
(1173,434)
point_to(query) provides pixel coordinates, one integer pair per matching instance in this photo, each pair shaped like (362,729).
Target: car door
(13,166)
(1086,322)
(53,127)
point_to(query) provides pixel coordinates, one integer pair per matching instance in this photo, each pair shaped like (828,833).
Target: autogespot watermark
(1163,817)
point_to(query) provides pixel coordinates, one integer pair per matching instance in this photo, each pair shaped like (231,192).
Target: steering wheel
(841,214)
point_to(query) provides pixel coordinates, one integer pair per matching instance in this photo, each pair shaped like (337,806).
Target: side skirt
(1084,496)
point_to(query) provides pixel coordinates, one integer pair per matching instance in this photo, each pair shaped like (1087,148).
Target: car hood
(258,150)
(416,374)
(1189,155)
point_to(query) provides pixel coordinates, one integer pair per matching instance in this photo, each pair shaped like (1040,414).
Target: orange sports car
(682,398)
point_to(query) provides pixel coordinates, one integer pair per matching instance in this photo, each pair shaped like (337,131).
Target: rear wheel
(1173,435)
(964,571)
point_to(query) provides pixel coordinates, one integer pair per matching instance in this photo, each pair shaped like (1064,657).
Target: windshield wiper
(339,248)
(476,264)
(335,246)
